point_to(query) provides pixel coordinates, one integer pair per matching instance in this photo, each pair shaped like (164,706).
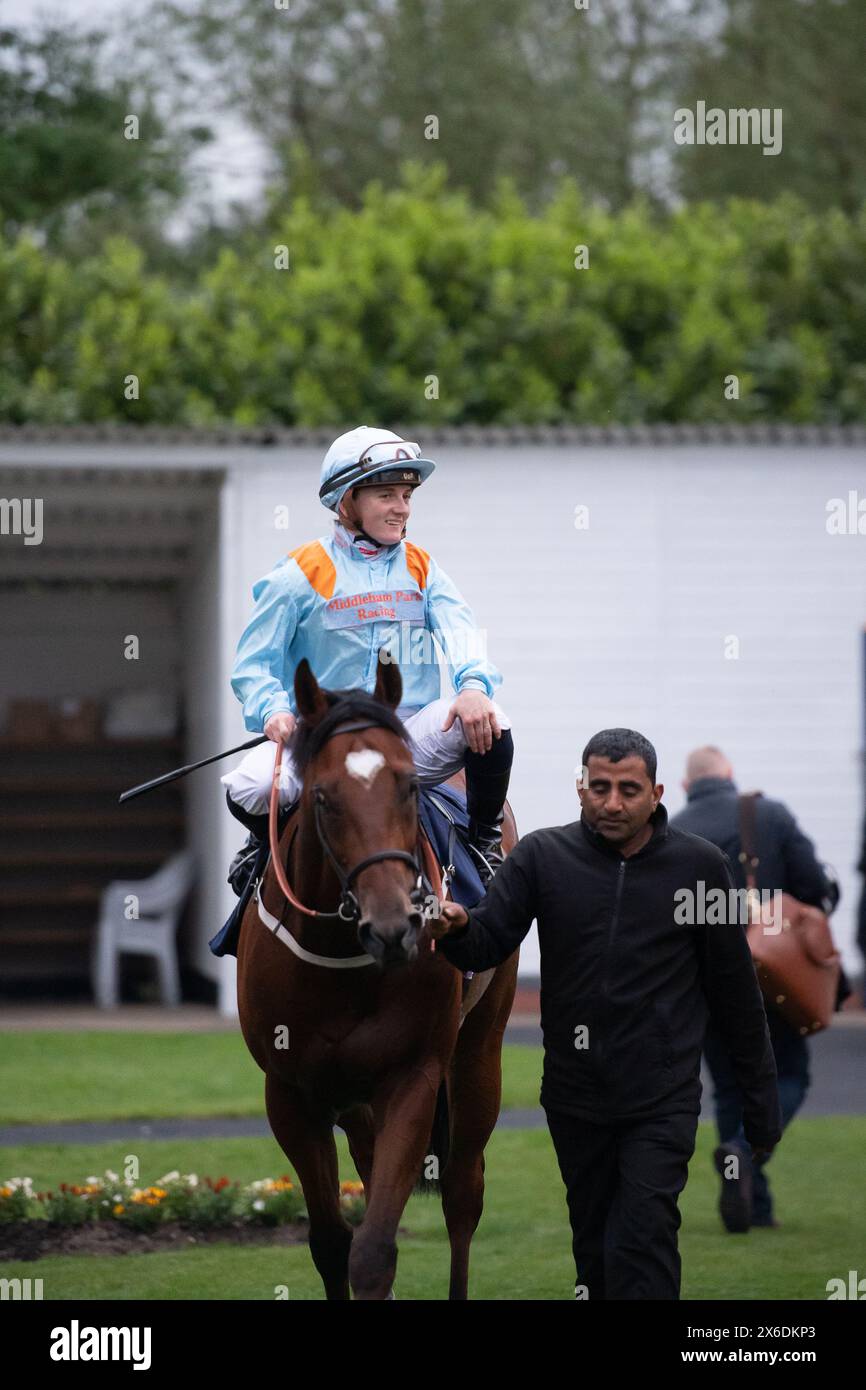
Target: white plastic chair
(160,901)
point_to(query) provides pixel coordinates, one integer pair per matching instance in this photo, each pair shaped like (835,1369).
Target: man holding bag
(786,863)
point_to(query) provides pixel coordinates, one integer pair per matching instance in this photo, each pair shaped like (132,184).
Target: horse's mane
(344,705)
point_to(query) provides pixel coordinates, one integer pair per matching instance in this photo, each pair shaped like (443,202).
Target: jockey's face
(618,798)
(384,511)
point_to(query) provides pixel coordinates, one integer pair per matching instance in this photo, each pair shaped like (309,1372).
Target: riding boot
(244,861)
(487,777)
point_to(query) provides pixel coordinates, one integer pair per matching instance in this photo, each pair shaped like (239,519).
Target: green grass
(522,1248)
(50,1077)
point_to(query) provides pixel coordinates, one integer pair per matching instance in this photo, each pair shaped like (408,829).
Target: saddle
(444,823)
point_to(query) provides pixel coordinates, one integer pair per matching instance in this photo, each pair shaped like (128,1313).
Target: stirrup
(243,864)
(485,844)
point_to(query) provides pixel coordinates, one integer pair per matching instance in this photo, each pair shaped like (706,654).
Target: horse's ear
(309,698)
(389,682)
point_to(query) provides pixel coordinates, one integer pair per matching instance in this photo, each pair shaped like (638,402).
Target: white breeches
(437,755)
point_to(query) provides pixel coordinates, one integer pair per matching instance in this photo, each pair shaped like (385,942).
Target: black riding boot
(244,861)
(487,776)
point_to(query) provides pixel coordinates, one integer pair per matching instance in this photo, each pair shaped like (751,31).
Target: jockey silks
(338,600)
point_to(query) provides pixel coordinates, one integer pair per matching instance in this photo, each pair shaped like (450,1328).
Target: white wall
(203,676)
(252,542)
(625,623)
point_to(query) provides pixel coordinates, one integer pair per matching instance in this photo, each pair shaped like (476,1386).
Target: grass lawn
(522,1248)
(49,1077)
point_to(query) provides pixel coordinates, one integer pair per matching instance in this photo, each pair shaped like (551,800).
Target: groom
(626,988)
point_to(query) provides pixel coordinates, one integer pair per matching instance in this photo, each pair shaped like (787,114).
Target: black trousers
(622,1184)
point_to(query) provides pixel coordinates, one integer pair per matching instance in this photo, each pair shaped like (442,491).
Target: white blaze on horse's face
(364,763)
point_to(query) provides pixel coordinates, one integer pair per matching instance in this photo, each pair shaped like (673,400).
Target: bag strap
(748,837)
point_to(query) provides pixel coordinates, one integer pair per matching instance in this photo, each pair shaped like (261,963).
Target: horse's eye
(321,799)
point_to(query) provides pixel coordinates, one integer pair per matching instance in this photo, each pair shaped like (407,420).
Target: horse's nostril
(389,939)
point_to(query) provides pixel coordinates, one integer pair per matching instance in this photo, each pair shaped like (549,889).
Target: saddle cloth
(466,886)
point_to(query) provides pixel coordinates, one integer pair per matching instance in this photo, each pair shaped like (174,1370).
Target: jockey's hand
(280,727)
(475,711)
(451,917)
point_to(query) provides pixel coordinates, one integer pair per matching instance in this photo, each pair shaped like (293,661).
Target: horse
(348,1009)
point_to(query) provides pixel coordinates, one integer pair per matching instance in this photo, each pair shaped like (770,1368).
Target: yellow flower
(118,1209)
(5,1191)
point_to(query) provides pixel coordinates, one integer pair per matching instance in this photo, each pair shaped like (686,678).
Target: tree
(344,92)
(804,57)
(66,162)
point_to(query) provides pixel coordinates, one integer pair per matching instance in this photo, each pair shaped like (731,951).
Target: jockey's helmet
(368,456)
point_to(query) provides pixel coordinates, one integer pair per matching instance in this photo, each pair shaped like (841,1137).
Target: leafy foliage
(420,306)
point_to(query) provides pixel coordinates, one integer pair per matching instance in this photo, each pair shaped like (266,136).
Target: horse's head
(361,789)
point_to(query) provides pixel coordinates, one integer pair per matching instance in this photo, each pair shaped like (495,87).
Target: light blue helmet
(368,455)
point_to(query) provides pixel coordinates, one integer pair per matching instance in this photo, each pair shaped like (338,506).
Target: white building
(687,582)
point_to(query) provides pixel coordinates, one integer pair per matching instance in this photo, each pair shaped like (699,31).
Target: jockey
(337,601)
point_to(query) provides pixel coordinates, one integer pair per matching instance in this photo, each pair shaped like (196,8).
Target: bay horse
(356,1020)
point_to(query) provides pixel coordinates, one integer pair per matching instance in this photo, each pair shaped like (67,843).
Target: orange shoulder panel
(417,563)
(317,566)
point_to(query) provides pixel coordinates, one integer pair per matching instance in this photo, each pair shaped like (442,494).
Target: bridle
(349,909)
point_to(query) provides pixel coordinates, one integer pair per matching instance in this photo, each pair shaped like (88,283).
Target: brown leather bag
(797,964)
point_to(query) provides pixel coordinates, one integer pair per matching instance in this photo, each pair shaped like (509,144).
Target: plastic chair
(151,933)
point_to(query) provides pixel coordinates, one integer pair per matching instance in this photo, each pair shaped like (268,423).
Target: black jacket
(787,858)
(615,961)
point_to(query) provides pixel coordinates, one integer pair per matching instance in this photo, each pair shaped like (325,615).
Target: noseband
(349,909)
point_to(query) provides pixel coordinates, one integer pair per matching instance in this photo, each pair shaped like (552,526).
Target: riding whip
(182,771)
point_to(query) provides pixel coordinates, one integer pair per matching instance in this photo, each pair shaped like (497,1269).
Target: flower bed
(116,1214)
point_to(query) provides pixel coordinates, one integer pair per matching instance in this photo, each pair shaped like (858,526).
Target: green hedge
(421,283)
